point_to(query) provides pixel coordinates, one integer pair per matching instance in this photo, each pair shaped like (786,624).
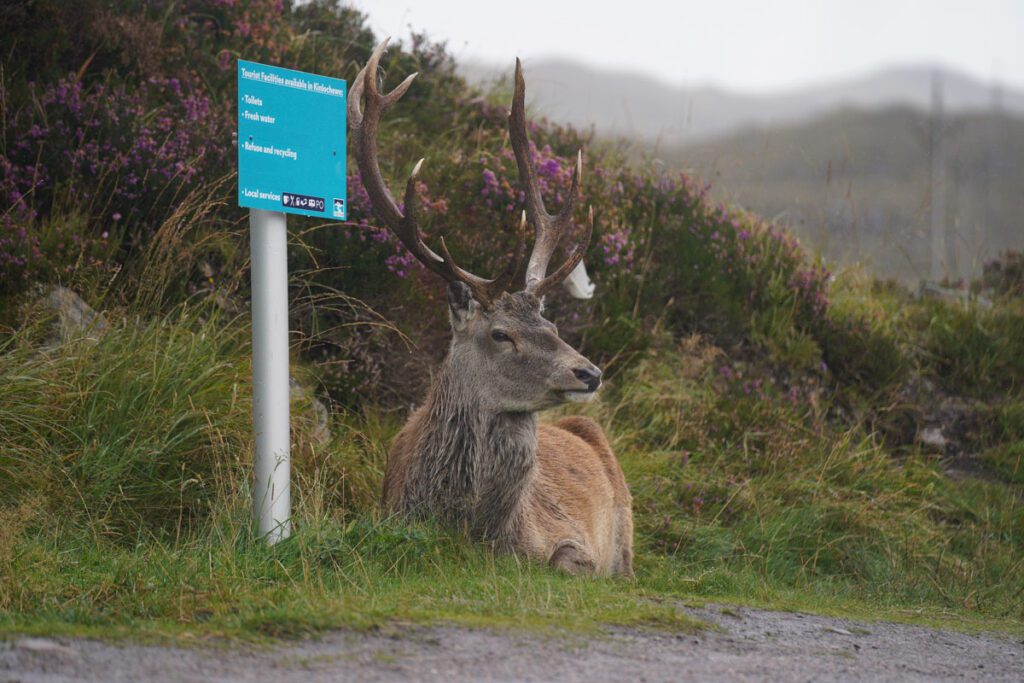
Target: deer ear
(461,304)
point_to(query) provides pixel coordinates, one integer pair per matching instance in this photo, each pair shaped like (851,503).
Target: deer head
(501,344)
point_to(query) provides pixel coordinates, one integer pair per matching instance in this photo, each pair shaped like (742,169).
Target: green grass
(975,351)
(124,466)
(328,576)
(755,489)
(779,470)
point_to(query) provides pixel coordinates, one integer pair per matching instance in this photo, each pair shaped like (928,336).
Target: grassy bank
(768,413)
(125,466)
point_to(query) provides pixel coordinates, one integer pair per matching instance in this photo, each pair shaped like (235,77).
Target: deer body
(553,492)
(474,455)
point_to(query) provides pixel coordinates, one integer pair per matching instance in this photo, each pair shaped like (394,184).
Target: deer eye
(500,336)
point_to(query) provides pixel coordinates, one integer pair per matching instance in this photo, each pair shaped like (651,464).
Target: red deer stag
(474,454)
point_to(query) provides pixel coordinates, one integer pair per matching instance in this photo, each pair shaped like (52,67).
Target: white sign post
(291,159)
(272,487)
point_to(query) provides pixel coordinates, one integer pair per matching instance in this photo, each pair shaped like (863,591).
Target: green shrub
(1003,276)
(973,351)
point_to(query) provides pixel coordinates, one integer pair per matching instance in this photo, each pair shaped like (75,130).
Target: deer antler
(406,226)
(548,229)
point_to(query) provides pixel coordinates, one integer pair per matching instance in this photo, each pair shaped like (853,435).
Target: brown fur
(553,492)
(576,497)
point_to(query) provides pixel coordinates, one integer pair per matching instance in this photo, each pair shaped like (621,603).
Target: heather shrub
(1003,276)
(149,116)
(120,158)
(862,338)
(860,354)
(664,256)
(53,248)
(972,351)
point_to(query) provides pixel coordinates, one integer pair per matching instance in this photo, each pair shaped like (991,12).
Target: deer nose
(590,376)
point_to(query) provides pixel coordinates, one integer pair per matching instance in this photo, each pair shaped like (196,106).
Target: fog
(733,44)
(884,134)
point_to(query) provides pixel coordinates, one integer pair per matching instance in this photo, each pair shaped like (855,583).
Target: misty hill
(855,184)
(638,106)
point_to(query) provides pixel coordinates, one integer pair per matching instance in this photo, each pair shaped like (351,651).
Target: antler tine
(364,123)
(548,229)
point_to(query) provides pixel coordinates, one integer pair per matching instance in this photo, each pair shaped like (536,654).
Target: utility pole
(937,180)
(994,123)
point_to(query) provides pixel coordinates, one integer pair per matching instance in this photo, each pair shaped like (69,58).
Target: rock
(321,432)
(45,646)
(933,438)
(840,631)
(75,318)
(78,320)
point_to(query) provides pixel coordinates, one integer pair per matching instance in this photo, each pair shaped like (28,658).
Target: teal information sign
(291,141)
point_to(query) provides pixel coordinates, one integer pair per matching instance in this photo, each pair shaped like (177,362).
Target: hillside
(855,184)
(792,436)
(636,106)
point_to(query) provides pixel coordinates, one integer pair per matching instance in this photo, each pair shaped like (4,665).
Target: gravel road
(747,645)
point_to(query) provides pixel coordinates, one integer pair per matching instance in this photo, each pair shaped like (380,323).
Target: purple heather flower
(551,167)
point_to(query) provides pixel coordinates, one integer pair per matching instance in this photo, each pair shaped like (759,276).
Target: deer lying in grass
(474,454)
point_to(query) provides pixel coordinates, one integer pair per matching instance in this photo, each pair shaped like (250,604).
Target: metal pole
(937,182)
(272,486)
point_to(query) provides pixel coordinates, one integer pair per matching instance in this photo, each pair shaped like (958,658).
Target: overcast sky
(752,46)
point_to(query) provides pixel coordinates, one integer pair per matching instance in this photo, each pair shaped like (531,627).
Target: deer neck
(474,463)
